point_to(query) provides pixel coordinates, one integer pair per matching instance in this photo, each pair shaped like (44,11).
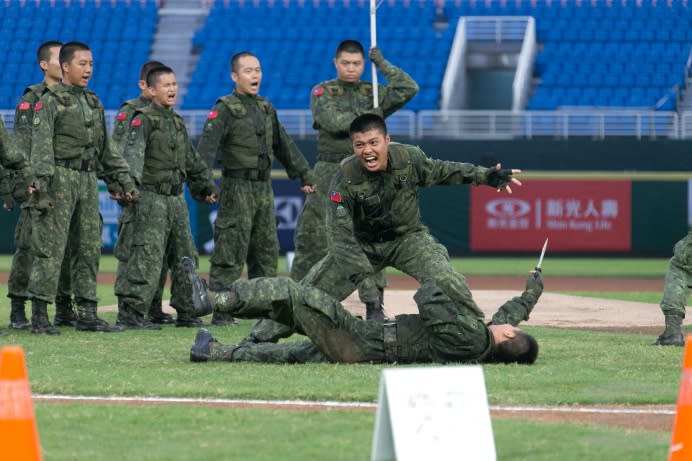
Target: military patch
(37,120)
(340,211)
(136,122)
(335,197)
(121,116)
(212,115)
(38,106)
(24,106)
(318,91)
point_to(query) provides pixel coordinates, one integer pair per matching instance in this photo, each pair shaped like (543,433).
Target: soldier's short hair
(350,46)
(236,57)
(154,74)
(366,122)
(148,67)
(68,50)
(523,348)
(43,51)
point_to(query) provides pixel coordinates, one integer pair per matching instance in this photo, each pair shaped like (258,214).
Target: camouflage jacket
(69,125)
(161,154)
(123,119)
(334,105)
(373,207)
(249,135)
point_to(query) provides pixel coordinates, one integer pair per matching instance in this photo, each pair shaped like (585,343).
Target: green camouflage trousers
(121,251)
(244,232)
(20,269)
(311,230)
(160,227)
(74,223)
(678,281)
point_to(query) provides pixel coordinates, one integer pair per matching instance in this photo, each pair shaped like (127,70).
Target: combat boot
(200,350)
(157,315)
(87,320)
(374,310)
(65,315)
(39,318)
(672,336)
(130,319)
(186,319)
(18,320)
(223,318)
(190,290)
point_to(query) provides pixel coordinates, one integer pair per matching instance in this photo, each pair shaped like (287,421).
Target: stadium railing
(490,124)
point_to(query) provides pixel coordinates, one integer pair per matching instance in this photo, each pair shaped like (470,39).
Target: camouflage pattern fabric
(69,127)
(443,332)
(159,222)
(247,132)
(678,280)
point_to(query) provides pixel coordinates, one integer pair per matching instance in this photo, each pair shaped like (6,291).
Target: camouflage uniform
(248,133)
(373,220)
(20,270)
(161,158)
(677,289)
(443,331)
(334,105)
(119,137)
(69,141)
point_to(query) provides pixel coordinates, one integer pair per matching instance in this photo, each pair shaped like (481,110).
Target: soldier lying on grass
(442,332)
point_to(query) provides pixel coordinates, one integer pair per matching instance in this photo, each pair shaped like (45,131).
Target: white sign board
(438,413)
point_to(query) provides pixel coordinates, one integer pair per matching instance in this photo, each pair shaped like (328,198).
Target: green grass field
(574,368)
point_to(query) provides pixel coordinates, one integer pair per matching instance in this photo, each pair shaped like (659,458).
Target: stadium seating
(120,34)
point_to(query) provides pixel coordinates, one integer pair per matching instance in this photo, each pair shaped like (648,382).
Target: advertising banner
(577,215)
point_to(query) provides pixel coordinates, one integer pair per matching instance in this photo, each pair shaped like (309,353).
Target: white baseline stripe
(332,404)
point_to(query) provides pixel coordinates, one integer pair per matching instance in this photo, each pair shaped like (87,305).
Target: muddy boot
(64,313)
(18,320)
(157,315)
(672,335)
(87,320)
(39,318)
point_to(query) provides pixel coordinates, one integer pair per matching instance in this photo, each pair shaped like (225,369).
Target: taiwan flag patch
(24,106)
(212,115)
(136,122)
(38,106)
(318,91)
(121,116)
(335,197)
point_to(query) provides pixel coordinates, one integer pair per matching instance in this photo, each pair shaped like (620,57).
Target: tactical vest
(249,146)
(385,205)
(78,131)
(163,161)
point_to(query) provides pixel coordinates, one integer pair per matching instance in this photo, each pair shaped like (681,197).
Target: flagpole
(373,43)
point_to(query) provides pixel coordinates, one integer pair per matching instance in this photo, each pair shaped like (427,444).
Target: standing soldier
(68,141)
(161,159)
(47,55)
(676,292)
(334,105)
(245,127)
(156,315)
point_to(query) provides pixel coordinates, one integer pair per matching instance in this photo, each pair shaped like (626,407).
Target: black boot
(186,319)
(87,319)
(223,318)
(130,319)
(672,336)
(157,315)
(64,313)
(200,350)
(39,318)
(18,320)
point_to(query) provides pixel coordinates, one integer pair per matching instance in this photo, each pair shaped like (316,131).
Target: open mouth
(370,161)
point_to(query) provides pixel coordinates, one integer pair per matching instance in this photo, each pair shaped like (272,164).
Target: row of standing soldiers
(61,148)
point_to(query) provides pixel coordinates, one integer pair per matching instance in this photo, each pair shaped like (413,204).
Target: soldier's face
(78,70)
(349,66)
(53,72)
(165,90)
(371,149)
(248,78)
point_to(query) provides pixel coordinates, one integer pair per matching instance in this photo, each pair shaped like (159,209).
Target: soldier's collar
(162,110)
(246,98)
(348,84)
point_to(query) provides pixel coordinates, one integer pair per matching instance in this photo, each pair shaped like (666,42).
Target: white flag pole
(373,43)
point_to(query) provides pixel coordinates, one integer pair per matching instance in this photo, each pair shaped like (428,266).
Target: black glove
(376,56)
(499,178)
(130,188)
(535,282)
(40,201)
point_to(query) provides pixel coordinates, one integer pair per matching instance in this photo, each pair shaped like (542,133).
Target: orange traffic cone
(18,430)
(681,444)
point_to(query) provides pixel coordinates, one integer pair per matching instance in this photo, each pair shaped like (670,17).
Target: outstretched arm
(518,308)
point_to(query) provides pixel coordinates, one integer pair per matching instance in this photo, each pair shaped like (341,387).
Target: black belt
(249,174)
(163,189)
(389,335)
(79,164)
(331,158)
